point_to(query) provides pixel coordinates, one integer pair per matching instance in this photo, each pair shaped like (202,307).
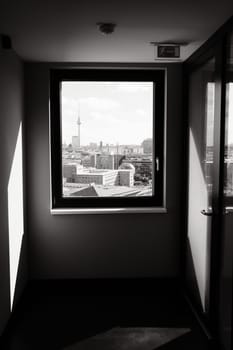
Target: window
(107,138)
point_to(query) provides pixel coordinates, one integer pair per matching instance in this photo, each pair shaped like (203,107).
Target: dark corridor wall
(104,245)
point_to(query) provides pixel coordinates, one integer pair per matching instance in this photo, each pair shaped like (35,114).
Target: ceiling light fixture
(106,28)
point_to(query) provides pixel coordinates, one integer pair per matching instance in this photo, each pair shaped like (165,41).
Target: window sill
(64,211)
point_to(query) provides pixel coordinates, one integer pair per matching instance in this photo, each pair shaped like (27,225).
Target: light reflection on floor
(137,338)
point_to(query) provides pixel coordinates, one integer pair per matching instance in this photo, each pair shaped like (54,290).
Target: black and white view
(107,138)
(228,156)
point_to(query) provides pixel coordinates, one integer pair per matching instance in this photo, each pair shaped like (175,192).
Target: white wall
(13,266)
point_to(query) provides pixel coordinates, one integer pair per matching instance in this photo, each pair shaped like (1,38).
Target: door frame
(214,48)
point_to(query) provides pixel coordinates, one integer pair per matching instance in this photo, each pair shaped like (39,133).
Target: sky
(111,112)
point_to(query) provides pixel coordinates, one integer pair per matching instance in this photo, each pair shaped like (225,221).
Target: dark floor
(115,315)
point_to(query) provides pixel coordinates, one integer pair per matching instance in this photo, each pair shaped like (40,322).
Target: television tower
(79,135)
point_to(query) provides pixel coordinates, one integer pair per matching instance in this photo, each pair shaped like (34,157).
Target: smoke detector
(106,27)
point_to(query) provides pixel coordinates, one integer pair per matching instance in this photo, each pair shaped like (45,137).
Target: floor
(115,315)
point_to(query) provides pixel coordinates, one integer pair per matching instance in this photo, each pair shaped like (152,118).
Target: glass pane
(209,139)
(226,285)
(107,138)
(228,183)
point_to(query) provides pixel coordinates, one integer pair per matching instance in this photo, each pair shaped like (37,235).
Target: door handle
(157,163)
(208,212)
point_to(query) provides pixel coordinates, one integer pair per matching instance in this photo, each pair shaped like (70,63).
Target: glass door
(226,287)
(201,168)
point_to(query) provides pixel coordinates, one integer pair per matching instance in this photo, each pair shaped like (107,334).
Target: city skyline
(109,144)
(111,112)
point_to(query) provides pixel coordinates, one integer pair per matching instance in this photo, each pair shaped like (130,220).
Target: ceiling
(65,30)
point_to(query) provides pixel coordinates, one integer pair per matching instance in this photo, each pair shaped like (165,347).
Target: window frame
(105,204)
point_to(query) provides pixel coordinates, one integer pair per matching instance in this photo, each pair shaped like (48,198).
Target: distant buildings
(122,149)
(125,177)
(98,177)
(229,178)
(143,166)
(103,161)
(147,146)
(75,142)
(69,170)
(101,146)
(93,146)
(118,159)
(120,177)
(107,165)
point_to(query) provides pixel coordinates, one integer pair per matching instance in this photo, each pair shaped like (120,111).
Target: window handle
(227,210)
(208,212)
(157,163)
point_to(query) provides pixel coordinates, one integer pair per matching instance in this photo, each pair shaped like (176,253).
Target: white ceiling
(65,30)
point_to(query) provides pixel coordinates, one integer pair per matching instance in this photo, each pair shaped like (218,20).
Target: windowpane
(209,139)
(228,159)
(107,138)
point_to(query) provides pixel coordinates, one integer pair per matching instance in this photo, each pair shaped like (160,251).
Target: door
(201,183)
(226,287)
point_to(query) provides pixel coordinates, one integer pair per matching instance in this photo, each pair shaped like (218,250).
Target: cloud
(98,103)
(89,109)
(118,114)
(141,112)
(133,87)
(103,117)
(69,102)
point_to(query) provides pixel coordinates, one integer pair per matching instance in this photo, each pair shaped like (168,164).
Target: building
(104,161)
(121,177)
(75,143)
(93,160)
(147,146)
(118,159)
(123,149)
(98,177)
(76,140)
(69,170)
(93,146)
(86,161)
(143,166)
(104,177)
(126,177)
(132,150)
